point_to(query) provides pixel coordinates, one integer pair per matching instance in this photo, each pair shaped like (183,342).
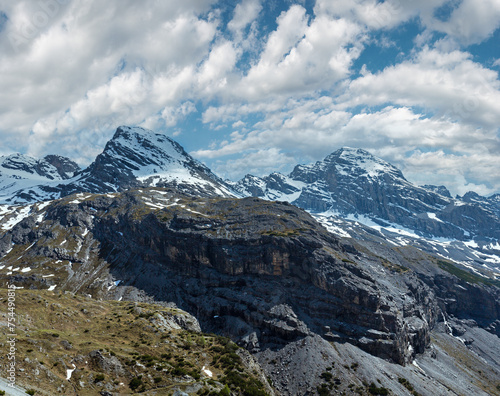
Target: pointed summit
(359,162)
(138,157)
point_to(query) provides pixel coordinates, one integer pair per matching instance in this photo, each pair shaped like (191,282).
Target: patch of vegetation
(374,390)
(287,233)
(250,386)
(400,269)
(135,382)
(323,390)
(466,275)
(408,385)
(225,391)
(99,378)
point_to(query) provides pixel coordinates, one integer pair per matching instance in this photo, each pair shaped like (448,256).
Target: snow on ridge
(17,216)
(362,159)
(329,223)
(434,217)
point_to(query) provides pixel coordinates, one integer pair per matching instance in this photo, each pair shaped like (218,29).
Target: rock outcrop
(263,273)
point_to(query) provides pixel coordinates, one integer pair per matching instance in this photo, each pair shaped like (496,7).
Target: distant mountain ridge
(354,182)
(21,176)
(349,182)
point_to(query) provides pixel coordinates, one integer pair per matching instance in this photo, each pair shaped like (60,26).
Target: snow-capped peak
(357,162)
(134,157)
(145,152)
(138,157)
(19,172)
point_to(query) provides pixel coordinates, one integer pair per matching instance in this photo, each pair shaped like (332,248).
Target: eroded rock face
(263,273)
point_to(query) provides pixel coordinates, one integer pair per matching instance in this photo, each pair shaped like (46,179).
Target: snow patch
(434,217)
(69,372)
(207,372)
(16,218)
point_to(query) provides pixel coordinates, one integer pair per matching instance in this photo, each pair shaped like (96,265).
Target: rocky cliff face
(263,273)
(267,273)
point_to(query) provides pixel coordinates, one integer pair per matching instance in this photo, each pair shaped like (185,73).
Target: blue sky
(256,86)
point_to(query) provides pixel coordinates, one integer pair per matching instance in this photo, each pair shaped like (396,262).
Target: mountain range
(341,277)
(134,157)
(349,184)
(354,182)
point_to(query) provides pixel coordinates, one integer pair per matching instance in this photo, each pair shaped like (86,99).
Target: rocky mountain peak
(65,167)
(471,196)
(135,152)
(491,203)
(138,157)
(19,166)
(441,190)
(137,137)
(357,162)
